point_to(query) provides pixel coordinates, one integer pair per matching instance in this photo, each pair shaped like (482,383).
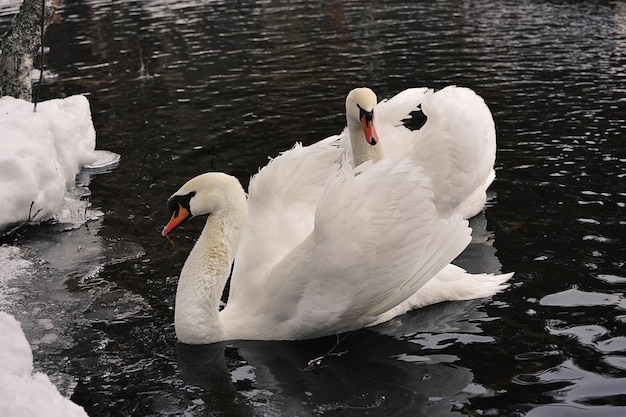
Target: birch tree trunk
(19,47)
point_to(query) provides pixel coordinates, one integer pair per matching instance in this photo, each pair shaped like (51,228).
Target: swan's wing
(389,119)
(457,147)
(399,108)
(377,240)
(281,203)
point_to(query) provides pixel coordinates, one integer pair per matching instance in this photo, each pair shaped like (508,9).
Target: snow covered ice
(22,392)
(41,155)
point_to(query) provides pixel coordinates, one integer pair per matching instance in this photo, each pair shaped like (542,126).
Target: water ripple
(182,86)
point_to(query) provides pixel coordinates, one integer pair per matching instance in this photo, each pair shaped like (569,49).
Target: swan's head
(360,111)
(208,193)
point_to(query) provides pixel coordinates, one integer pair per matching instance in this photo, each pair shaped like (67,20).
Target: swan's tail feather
(451,284)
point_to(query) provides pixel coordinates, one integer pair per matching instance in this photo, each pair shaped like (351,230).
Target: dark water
(182,87)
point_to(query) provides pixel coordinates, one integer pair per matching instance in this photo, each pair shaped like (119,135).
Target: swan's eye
(175,201)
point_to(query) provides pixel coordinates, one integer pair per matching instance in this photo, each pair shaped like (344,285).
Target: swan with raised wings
(317,250)
(456,146)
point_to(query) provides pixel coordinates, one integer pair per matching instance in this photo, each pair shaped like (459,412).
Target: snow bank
(40,155)
(22,392)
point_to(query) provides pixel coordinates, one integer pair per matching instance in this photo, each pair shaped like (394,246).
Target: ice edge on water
(105,162)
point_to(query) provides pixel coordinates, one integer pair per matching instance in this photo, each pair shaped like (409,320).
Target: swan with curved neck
(318,252)
(207,268)
(456,146)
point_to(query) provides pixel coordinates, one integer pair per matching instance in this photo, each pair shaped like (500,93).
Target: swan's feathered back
(376,241)
(282,199)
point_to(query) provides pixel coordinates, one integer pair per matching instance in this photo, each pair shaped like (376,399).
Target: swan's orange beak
(179,216)
(367,121)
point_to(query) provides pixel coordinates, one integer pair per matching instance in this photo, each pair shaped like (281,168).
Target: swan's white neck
(361,150)
(205,273)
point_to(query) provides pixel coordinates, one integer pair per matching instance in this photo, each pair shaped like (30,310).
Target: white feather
(456,146)
(323,247)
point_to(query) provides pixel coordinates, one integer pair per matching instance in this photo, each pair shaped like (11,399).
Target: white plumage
(319,254)
(456,146)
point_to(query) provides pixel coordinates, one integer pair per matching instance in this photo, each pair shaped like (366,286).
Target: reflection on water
(269,378)
(181,87)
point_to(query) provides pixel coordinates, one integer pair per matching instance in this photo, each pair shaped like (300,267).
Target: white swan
(456,146)
(317,249)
